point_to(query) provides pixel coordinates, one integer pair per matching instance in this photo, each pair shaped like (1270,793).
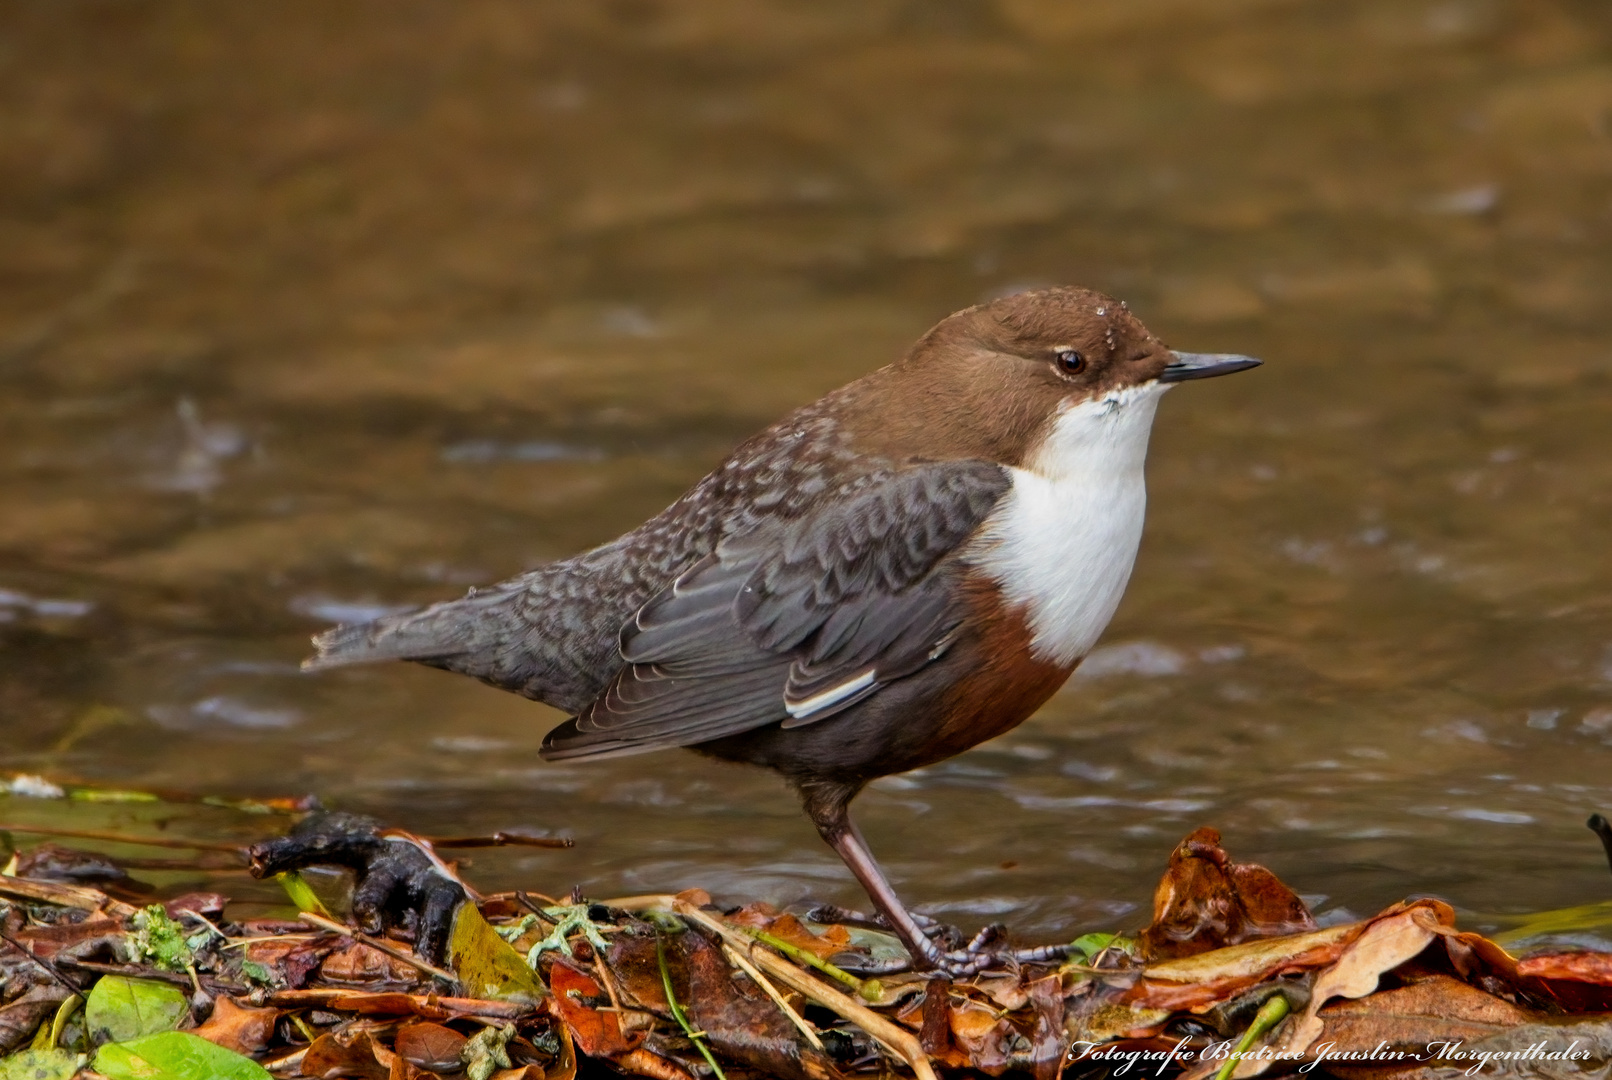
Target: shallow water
(342,308)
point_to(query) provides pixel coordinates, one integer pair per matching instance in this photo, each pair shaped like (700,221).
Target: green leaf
(121,1008)
(1089,945)
(39,1065)
(175,1055)
(486,964)
(301,893)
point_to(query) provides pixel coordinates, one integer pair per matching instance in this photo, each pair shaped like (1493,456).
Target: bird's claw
(396,883)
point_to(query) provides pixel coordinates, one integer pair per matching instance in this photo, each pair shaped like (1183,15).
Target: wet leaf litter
(417,974)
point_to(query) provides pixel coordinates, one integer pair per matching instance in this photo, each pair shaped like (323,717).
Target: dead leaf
(1581,981)
(486,964)
(738,1018)
(1205,901)
(20,1018)
(578,999)
(44,941)
(1196,983)
(347,1054)
(430,1046)
(245,1031)
(647,1063)
(1437,1008)
(358,964)
(1382,946)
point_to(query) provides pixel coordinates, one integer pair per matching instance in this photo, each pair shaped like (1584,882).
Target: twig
(607,979)
(375,943)
(119,838)
(525,898)
(50,968)
(868,990)
(737,960)
(501,839)
(696,1037)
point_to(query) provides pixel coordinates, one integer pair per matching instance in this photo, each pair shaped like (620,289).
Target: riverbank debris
(1232,978)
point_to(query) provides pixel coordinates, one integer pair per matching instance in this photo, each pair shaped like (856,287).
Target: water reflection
(474,287)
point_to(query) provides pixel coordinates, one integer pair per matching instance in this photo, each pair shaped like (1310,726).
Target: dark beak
(1204,365)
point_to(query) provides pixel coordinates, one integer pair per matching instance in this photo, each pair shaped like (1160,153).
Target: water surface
(328,310)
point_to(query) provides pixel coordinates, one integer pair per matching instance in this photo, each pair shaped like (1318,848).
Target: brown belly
(1002,684)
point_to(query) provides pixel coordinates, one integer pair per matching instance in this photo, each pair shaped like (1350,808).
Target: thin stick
(368,1003)
(501,839)
(375,943)
(120,838)
(868,989)
(778,999)
(50,968)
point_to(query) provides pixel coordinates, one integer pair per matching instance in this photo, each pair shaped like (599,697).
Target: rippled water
(321,311)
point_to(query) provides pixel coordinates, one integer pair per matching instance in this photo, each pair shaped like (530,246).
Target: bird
(884,578)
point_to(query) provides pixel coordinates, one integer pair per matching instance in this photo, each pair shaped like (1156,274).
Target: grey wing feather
(796,620)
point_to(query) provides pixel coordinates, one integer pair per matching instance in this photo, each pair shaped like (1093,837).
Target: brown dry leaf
(832,940)
(979,1033)
(20,1018)
(1581,981)
(1579,966)
(738,1018)
(44,941)
(245,1031)
(525,1072)
(577,998)
(1198,982)
(1205,901)
(1382,946)
(345,1053)
(643,1062)
(430,1046)
(359,965)
(1438,1008)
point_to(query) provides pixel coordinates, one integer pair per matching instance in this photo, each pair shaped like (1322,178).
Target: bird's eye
(1069,361)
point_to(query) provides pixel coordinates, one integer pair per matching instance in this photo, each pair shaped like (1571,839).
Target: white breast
(1062,541)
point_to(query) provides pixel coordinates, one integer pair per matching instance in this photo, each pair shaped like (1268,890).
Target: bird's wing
(795,620)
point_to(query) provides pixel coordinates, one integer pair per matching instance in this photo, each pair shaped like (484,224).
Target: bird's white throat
(1062,541)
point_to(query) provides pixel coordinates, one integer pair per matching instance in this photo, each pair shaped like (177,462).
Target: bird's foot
(988,949)
(946,953)
(944,934)
(396,882)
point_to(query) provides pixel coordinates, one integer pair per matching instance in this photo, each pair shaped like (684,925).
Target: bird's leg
(829,808)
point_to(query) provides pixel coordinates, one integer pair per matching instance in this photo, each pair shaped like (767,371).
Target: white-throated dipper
(884,578)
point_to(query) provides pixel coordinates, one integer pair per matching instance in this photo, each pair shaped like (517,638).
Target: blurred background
(309,312)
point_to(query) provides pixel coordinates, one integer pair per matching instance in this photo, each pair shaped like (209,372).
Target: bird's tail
(435,634)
